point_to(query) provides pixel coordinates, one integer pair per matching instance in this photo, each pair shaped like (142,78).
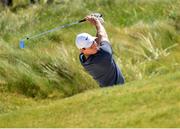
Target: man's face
(91,50)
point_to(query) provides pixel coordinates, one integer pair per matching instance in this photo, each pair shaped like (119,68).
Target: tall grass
(142,46)
(143,35)
(42,74)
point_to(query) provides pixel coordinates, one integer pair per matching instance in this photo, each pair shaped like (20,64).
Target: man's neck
(86,56)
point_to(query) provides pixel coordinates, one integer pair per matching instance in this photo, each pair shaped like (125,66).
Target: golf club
(22,41)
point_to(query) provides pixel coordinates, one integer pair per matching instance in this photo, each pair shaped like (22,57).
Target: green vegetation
(148,103)
(37,82)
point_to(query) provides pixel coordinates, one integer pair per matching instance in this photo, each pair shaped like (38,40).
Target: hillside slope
(144,36)
(149,103)
(44,85)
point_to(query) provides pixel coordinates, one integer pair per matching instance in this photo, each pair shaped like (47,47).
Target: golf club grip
(83,20)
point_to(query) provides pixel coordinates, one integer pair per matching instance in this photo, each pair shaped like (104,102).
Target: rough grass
(143,35)
(146,43)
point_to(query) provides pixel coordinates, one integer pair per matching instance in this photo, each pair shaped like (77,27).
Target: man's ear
(81,50)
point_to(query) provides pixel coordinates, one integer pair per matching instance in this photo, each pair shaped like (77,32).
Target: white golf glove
(98,16)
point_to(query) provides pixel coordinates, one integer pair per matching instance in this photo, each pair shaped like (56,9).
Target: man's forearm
(101,32)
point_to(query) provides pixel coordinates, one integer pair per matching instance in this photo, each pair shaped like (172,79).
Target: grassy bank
(144,36)
(44,84)
(147,103)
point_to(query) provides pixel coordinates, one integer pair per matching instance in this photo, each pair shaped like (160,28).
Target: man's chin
(95,51)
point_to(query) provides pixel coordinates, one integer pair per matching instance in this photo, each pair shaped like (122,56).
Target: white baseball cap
(84,40)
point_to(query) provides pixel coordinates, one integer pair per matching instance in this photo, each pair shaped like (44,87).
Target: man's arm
(101,32)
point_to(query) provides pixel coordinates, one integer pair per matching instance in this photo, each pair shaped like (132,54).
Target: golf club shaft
(55,29)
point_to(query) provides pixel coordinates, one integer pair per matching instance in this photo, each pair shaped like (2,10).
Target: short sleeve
(105,45)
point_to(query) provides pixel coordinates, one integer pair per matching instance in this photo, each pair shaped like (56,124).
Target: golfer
(96,55)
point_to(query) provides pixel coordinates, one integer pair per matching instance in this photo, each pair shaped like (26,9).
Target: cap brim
(92,40)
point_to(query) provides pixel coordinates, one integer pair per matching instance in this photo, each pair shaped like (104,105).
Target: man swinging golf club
(96,55)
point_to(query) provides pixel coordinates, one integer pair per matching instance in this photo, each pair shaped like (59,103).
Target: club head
(21,44)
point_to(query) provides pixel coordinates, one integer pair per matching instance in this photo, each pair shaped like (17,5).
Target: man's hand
(93,20)
(101,32)
(98,16)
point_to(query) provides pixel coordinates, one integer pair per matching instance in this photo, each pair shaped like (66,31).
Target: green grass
(45,61)
(46,80)
(148,103)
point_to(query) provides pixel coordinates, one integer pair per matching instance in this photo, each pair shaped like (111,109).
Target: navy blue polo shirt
(102,67)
